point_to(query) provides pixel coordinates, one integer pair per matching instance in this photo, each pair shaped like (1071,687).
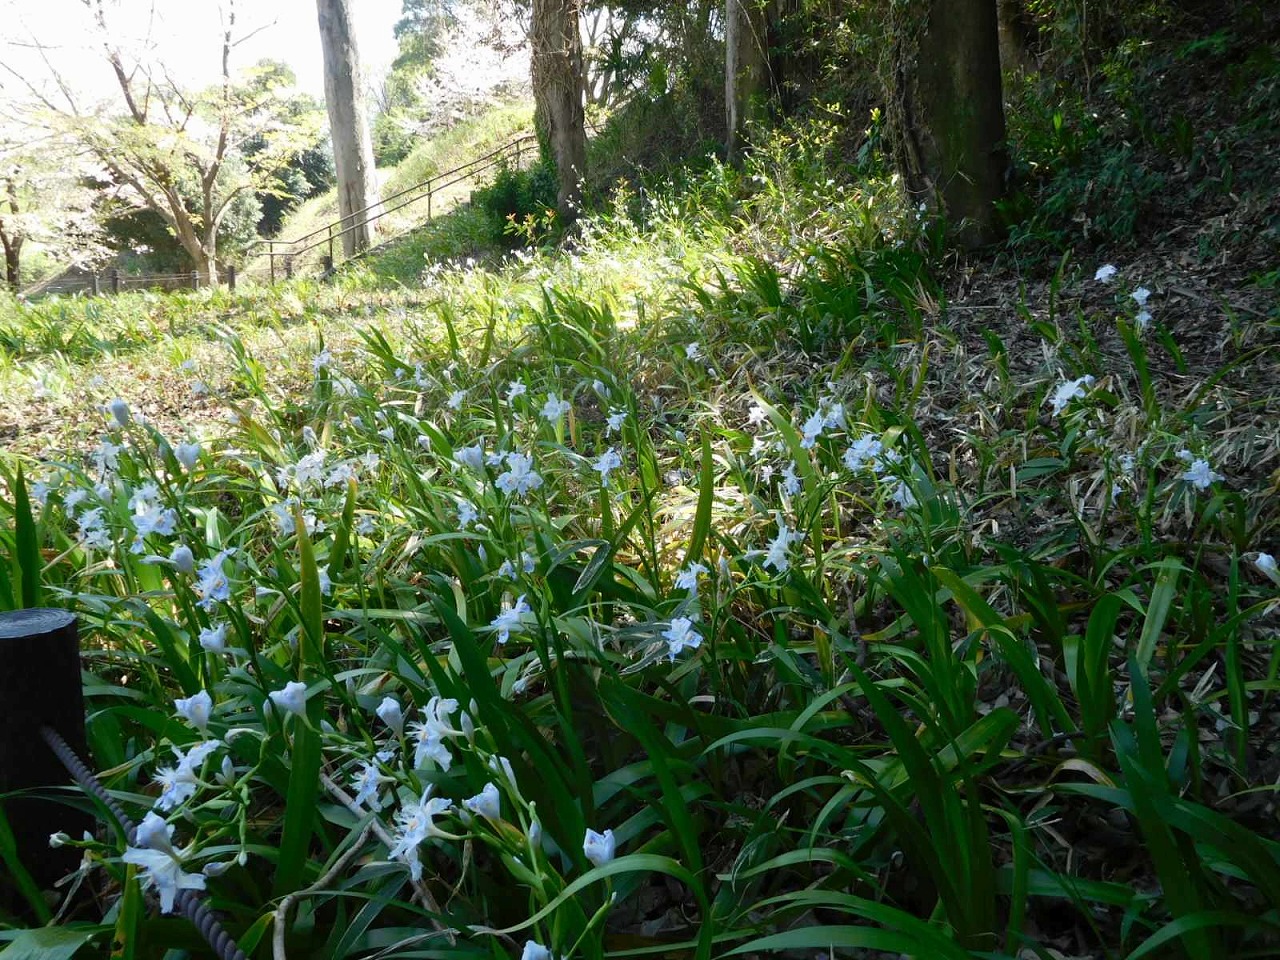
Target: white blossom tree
(180,152)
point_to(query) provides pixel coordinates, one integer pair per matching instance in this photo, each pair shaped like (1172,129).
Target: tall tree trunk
(1018,34)
(945,111)
(558,91)
(746,66)
(348,125)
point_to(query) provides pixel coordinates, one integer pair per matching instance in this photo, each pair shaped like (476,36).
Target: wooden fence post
(97,285)
(195,279)
(115,279)
(39,686)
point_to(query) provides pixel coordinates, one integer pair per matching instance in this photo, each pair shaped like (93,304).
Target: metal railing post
(39,686)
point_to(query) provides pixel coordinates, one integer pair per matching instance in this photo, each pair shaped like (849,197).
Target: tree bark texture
(11,236)
(1018,37)
(12,262)
(348,125)
(558,90)
(946,112)
(746,66)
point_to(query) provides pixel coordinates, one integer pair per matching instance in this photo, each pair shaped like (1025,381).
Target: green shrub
(519,204)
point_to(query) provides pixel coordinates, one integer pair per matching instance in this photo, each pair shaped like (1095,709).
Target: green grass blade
(1162,597)
(28,567)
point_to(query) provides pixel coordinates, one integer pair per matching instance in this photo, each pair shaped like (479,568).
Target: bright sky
(184,36)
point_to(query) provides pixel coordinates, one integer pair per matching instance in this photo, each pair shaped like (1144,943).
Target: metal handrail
(374,211)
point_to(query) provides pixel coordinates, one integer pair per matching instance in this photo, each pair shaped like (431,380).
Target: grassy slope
(464,142)
(804,291)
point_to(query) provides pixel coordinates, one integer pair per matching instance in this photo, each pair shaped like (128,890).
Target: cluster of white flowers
(106,458)
(93,532)
(414,823)
(368,782)
(286,522)
(471,457)
(212,585)
(487,803)
(511,620)
(308,472)
(864,450)
(179,782)
(520,478)
(429,734)
(1143,317)
(187,454)
(687,579)
(778,553)
(554,409)
(152,850)
(196,709)
(828,416)
(467,514)
(1266,563)
(681,636)
(608,461)
(291,698)
(1199,473)
(213,638)
(1067,391)
(790,482)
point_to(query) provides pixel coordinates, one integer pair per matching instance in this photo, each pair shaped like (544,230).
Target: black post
(39,686)
(195,279)
(231,278)
(326,264)
(97,285)
(115,279)
(288,268)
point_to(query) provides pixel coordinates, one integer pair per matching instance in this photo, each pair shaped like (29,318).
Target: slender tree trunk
(946,113)
(209,269)
(12,238)
(348,125)
(746,66)
(12,262)
(558,91)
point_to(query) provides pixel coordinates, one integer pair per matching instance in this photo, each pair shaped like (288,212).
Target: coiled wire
(189,902)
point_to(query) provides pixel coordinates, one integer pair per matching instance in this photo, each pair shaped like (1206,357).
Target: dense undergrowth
(854,621)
